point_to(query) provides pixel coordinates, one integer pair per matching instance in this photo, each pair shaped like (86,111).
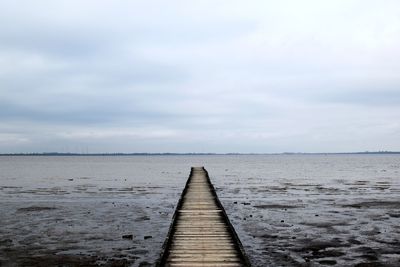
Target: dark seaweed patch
(276,206)
(327,262)
(374,204)
(35,208)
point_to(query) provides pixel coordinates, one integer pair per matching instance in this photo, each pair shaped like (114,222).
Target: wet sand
(105,230)
(306,222)
(287,211)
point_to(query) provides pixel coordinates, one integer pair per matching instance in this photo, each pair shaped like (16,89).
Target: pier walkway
(200,233)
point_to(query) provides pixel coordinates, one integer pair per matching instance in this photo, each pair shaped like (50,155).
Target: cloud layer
(199,76)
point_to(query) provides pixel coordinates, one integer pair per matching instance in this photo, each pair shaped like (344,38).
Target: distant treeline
(190,154)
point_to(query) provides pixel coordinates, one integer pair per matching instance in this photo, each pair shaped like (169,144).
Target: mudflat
(116,211)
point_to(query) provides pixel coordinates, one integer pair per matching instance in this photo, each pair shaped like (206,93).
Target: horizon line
(187,153)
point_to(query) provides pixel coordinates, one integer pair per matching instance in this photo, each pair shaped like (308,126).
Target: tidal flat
(288,210)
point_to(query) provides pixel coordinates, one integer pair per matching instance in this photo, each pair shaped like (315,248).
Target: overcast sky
(199,76)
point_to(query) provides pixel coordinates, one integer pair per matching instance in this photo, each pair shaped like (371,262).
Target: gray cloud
(199,76)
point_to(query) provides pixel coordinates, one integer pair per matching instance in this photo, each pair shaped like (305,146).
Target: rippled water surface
(288,210)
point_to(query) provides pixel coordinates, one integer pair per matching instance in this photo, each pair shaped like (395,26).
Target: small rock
(148,236)
(127,236)
(282,221)
(235,202)
(70,179)
(316,215)
(142,218)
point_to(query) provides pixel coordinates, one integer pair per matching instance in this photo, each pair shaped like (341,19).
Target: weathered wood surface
(200,233)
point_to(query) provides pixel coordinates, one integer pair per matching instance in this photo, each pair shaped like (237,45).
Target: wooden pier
(200,232)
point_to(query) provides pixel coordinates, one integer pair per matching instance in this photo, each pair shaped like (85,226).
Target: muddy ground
(288,211)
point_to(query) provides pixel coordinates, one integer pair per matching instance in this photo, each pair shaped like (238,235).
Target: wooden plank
(200,233)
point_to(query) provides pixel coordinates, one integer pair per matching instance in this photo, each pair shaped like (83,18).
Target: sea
(288,210)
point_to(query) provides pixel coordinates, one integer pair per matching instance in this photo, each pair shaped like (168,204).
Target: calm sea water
(289,210)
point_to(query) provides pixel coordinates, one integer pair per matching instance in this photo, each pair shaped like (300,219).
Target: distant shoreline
(198,154)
